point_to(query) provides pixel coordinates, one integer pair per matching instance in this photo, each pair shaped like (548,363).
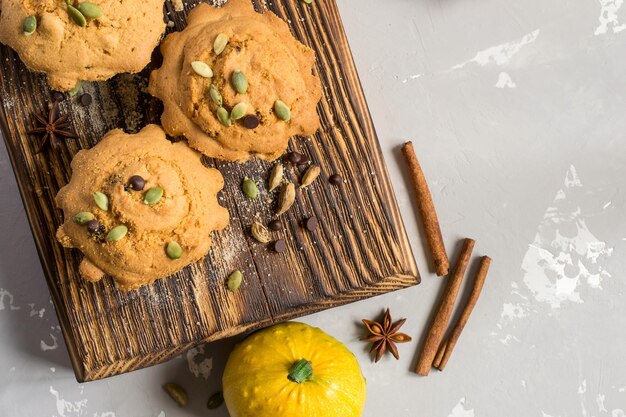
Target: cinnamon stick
(440,323)
(427,211)
(446,348)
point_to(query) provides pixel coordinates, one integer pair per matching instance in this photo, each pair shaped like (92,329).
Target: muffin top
(139,207)
(85,40)
(236,83)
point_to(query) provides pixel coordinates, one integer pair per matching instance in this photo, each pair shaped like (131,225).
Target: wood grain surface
(359,250)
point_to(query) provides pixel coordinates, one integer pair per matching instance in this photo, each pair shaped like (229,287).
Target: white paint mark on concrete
(34,312)
(199,365)
(557,263)
(105,414)
(68,408)
(524,384)
(505,81)
(411,78)
(622,389)
(461,411)
(161,414)
(609,17)
(8,304)
(44,346)
(607,205)
(544,414)
(618,412)
(600,401)
(583,387)
(500,54)
(507,339)
(53,370)
(512,311)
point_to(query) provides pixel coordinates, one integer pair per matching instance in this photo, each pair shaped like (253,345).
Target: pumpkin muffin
(84,40)
(236,83)
(139,207)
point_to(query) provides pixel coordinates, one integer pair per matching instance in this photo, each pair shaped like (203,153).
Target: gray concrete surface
(517,112)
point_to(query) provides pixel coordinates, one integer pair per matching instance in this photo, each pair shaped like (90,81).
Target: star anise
(385,335)
(52,126)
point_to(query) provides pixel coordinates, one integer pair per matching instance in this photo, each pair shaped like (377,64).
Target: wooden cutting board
(359,250)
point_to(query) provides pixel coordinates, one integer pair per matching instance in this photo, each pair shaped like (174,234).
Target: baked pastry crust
(276,66)
(186,214)
(121,40)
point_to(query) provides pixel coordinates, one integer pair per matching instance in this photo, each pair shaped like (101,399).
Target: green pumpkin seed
(30,25)
(102,201)
(234,281)
(90,10)
(153,196)
(178,393)
(215,401)
(76,16)
(238,111)
(249,188)
(116,233)
(224,117)
(83,217)
(215,95)
(75,89)
(282,110)
(174,250)
(220,43)
(202,69)
(240,82)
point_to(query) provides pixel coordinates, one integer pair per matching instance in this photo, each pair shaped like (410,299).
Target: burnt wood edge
(389,284)
(56,298)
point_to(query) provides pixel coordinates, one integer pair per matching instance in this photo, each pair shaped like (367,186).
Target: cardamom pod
(117,233)
(202,69)
(76,16)
(90,10)
(224,117)
(310,175)
(249,188)
(240,82)
(215,400)
(29,26)
(220,43)
(286,198)
(178,393)
(234,281)
(174,250)
(276,177)
(282,110)
(238,111)
(153,196)
(102,201)
(260,232)
(83,217)
(215,95)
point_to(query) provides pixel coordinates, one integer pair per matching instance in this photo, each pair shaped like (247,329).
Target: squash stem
(300,371)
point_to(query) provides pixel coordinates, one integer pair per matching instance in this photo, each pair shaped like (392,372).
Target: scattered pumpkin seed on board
(178,393)
(30,25)
(249,188)
(234,281)
(102,201)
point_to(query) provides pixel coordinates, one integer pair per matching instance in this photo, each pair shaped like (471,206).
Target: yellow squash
(293,370)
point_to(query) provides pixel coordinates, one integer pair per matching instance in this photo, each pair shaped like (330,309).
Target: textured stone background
(517,112)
